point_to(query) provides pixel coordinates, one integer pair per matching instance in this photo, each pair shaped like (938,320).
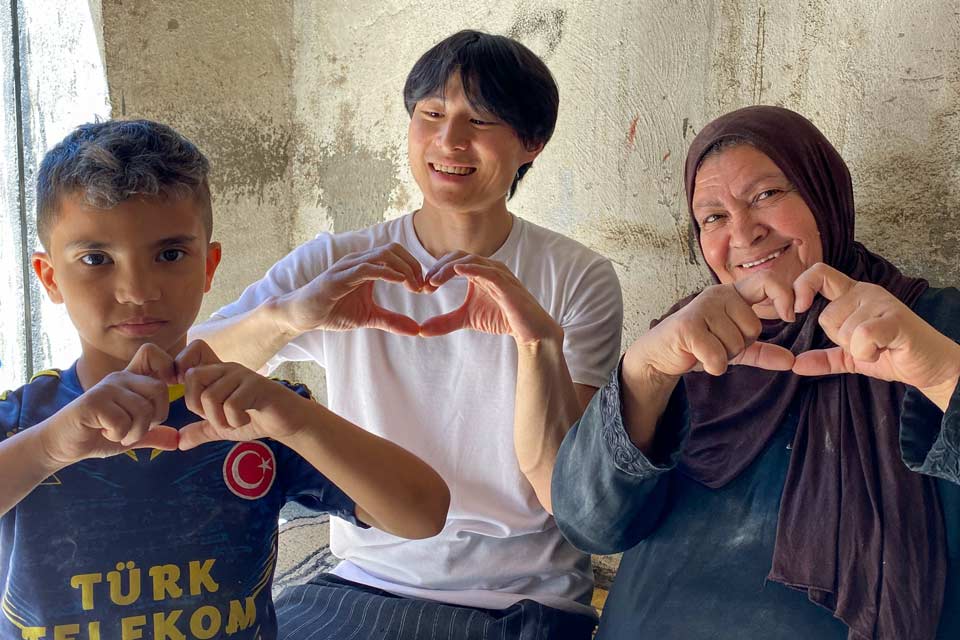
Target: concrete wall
(299,105)
(222,74)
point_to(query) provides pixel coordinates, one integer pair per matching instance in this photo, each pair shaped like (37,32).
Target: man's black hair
(499,76)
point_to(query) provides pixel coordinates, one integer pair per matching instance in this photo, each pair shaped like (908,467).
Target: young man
(152,541)
(362,305)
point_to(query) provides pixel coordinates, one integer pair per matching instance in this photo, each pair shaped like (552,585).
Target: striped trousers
(329,608)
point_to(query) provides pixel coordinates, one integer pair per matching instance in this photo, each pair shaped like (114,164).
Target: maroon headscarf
(858,531)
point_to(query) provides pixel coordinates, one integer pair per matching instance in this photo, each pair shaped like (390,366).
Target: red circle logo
(249,470)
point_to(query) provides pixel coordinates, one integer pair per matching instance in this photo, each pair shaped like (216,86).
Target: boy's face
(462,160)
(129,275)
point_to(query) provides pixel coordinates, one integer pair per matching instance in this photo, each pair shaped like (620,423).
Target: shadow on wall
(908,202)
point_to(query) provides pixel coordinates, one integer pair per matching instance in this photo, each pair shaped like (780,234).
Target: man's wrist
(548,340)
(276,312)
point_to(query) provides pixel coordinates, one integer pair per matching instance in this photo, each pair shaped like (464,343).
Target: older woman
(807,496)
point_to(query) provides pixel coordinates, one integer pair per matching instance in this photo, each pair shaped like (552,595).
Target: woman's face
(751,218)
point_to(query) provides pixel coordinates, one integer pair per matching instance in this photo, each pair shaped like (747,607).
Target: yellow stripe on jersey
(175,392)
(46,372)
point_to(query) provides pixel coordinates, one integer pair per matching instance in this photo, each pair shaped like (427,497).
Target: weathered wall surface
(221,73)
(299,105)
(637,81)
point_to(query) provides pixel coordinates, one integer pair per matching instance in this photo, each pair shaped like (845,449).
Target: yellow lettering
(61,631)
(165,578)
(85,583)
(115,579)
(242,616)
(200,576)
(93,630)
(130,627)
(165,626)
(33,633)
(198,627)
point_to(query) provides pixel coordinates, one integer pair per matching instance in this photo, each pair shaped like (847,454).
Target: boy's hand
(121,412)
(235,403)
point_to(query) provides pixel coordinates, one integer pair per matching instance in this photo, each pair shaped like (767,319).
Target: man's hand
(123,411)
(235,403)
(496,302)
(341,298)
(876,335)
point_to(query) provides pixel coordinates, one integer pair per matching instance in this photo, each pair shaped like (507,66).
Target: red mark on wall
(632,132)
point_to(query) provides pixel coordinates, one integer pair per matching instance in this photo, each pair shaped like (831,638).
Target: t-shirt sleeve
(9,414)
(305,484)
(592,325)
(293,271)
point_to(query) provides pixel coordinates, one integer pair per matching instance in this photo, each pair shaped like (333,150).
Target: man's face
(463,160)
(129,275)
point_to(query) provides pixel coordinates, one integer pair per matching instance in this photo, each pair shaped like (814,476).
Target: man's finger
(394,322)
(764,355)
(822,279)
(150,360)
(447,323)
(159,437)
(441,263)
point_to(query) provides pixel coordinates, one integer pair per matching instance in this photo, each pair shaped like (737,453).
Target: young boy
(162,538)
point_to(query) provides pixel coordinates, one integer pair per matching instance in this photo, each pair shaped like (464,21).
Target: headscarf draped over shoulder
(857,530)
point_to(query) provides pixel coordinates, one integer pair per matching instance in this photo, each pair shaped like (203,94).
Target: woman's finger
(820,279)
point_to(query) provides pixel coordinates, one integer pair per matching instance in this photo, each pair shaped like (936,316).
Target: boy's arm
(393,489)
(24,464)
(121,412)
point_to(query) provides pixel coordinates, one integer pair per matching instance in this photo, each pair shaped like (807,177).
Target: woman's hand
(876,335)
(718,328)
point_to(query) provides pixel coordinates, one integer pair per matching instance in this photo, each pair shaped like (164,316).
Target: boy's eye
(94,259)
(172,255)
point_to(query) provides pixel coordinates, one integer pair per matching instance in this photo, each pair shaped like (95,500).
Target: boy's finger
(196,354)
(150,360)
(153,391)
(159,437)
(195,434)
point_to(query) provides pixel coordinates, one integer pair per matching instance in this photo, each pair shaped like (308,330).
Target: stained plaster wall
(221,73)
(299,105)
(637,81)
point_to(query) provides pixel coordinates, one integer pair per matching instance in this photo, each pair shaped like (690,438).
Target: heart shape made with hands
(485,306)
(864,321)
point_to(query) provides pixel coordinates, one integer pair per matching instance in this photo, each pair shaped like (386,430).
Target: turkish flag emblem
(249,470)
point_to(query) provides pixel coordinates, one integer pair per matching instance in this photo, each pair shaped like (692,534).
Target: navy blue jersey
(149,544)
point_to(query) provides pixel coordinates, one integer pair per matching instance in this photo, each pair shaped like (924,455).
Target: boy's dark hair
(106,163)
(499,75)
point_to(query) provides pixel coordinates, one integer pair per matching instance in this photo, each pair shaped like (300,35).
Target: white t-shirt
(450,400)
